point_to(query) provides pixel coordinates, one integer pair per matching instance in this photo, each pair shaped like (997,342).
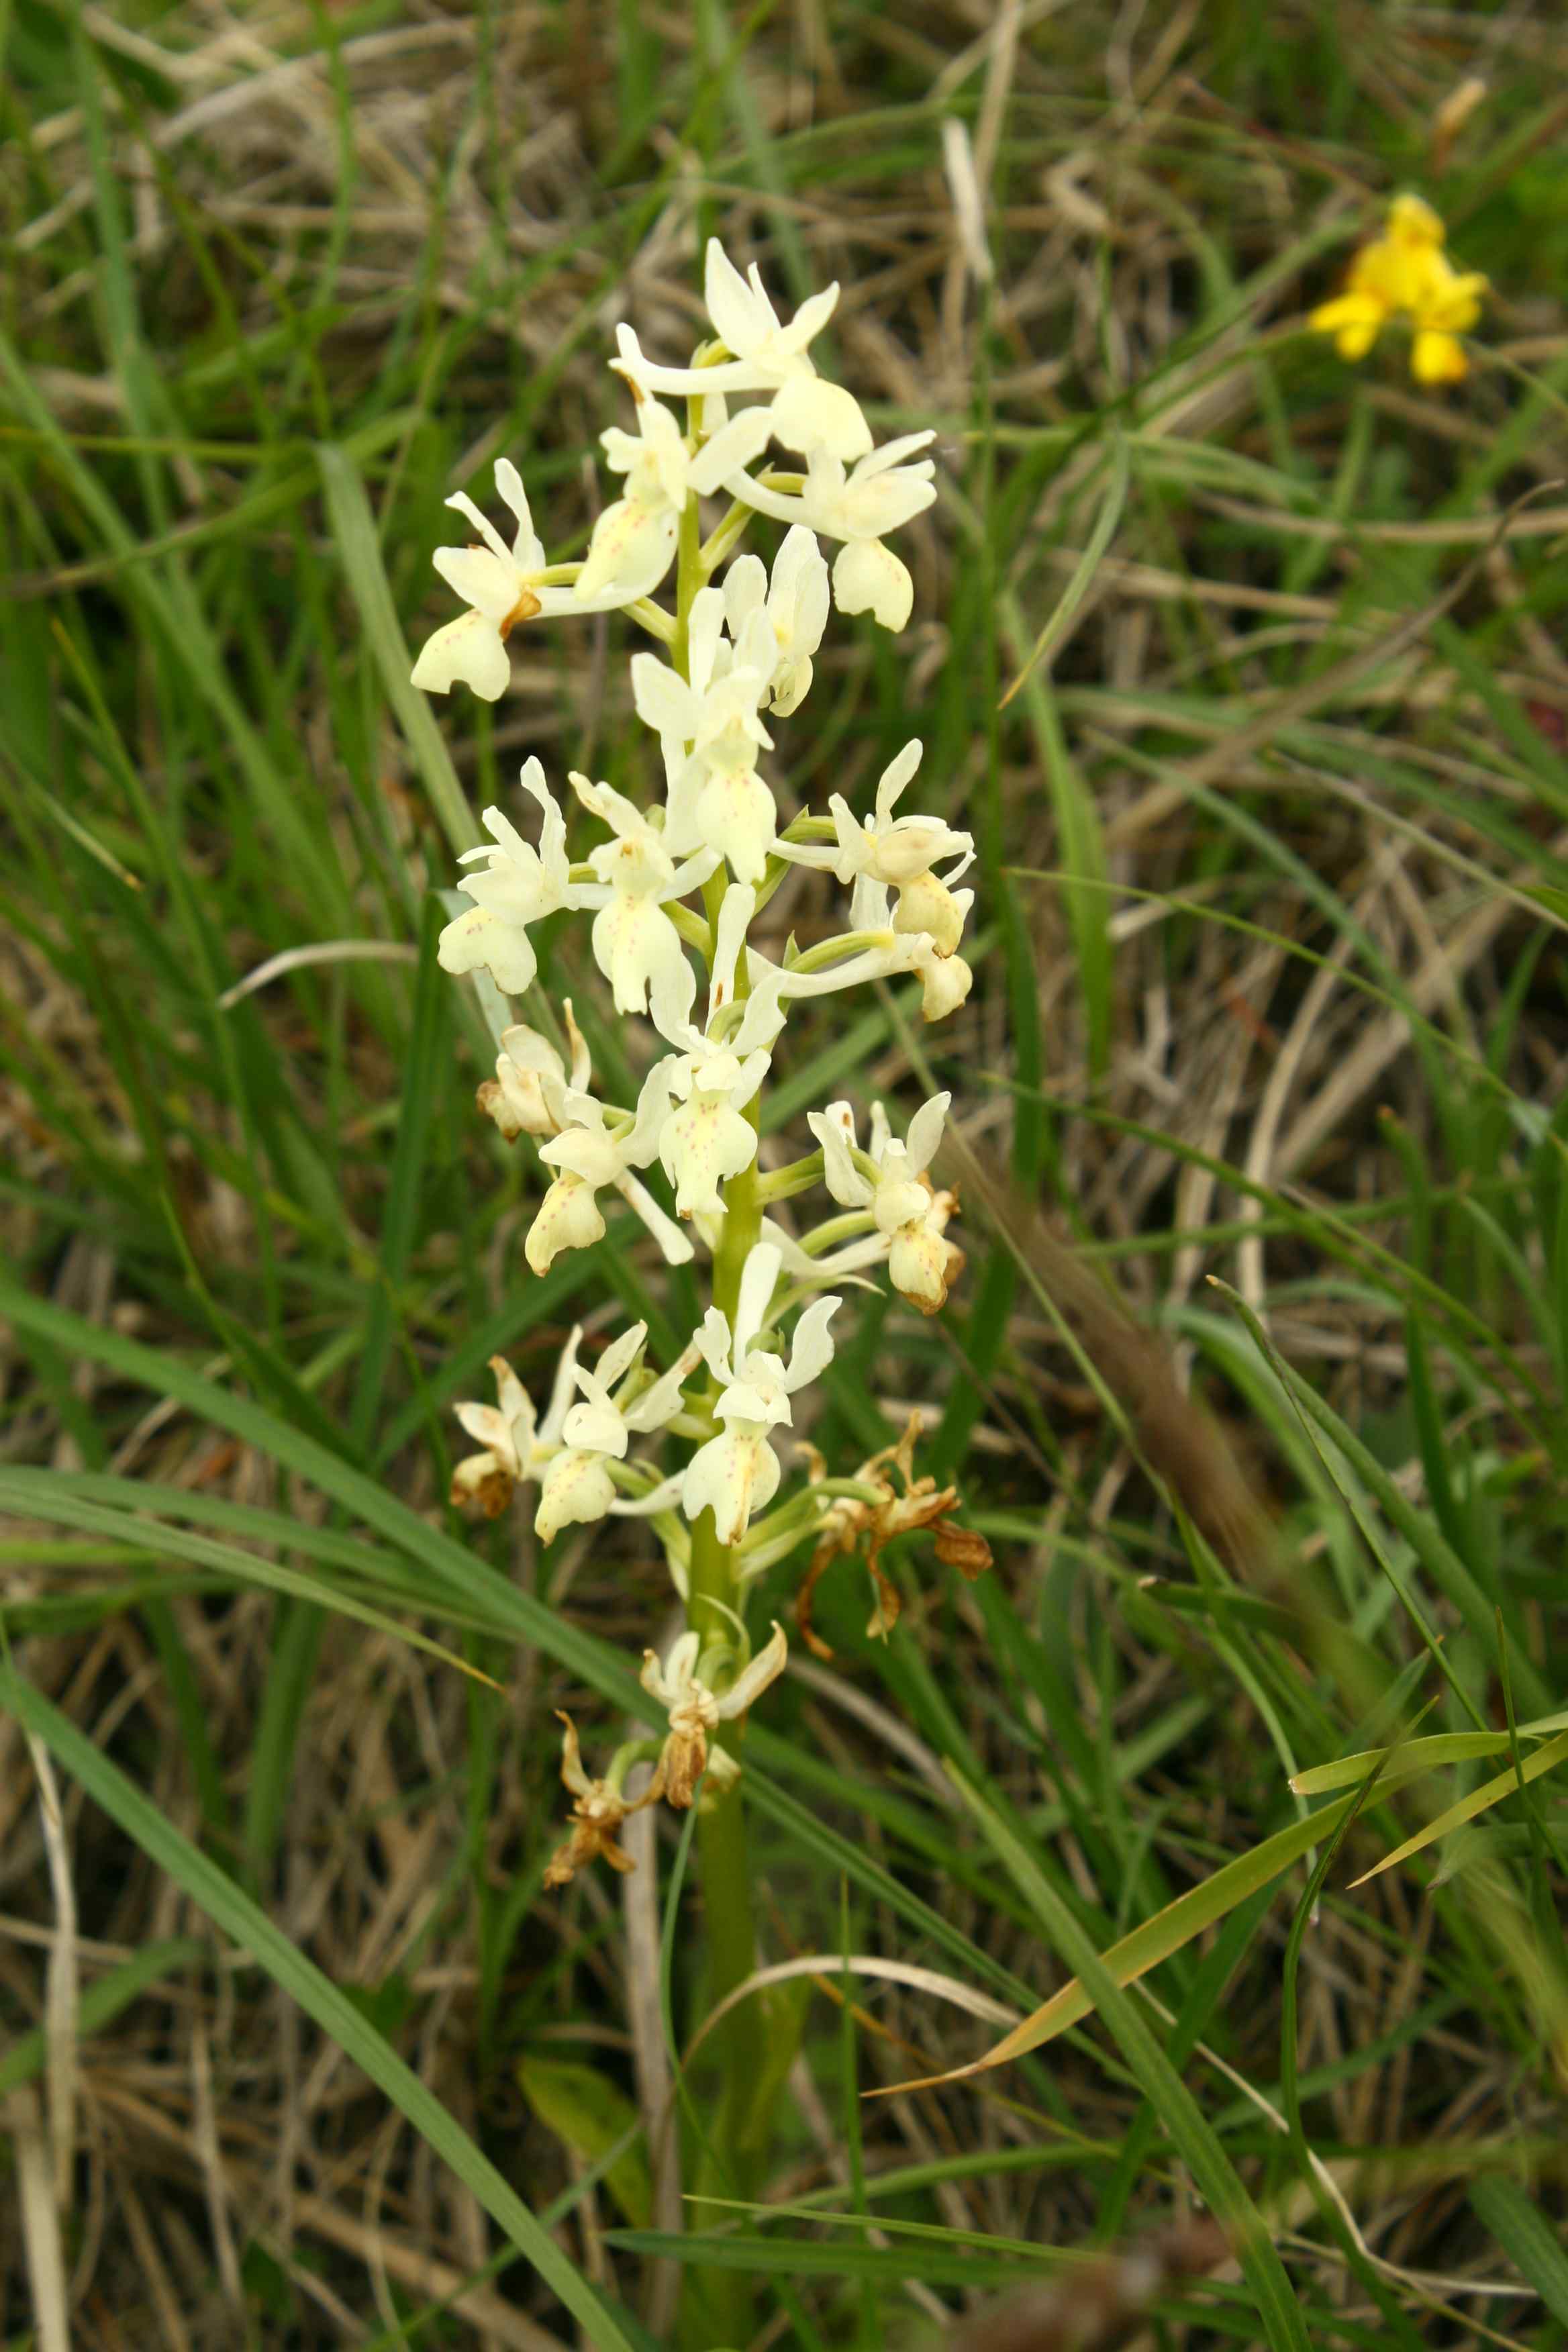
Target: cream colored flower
(795,605)
(516,1448)
(520,886)
(579,1485)
(525,1096)
(900,851)
(765,355)
(589,1154)
(707,1138)
(945,978)
(696,1709)
(503,586)
(860,508)
(636,536)
(710,733)
(737,1473)
(890,1181)
(636,945)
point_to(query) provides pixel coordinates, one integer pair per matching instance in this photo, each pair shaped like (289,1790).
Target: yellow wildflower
(1405,273)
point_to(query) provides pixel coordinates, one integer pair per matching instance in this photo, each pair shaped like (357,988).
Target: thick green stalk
(689,579)
(717,2308)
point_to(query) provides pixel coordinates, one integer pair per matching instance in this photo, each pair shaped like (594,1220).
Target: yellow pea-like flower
(1405,274)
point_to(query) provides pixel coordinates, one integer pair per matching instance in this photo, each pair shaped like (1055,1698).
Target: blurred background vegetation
(1273,881)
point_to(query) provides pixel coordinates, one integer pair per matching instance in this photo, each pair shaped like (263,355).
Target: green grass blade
(1135,1955)
(1531,2242)
(1480,1801)
(451,1570)
(359,543)
(1190,2134)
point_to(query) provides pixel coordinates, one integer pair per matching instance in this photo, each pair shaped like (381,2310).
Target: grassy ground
(1268,1019)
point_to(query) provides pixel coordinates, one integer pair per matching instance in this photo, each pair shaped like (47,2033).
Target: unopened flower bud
(945,982)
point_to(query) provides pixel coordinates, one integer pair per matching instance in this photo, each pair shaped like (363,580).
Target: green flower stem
(716,2308)
(725,538)
(840,947)
(783,1184)
(687,581)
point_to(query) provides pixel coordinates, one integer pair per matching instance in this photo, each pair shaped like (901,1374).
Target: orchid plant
(675,889)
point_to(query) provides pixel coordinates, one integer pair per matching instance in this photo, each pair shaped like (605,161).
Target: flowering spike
(680,874)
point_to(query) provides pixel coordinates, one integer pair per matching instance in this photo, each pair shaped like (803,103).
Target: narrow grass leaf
(1480,1801)
(1411,1757)
(1421,1532)
(353,526)
(1531,2243)
(1125,1961)
(52,1495)
(452,1570)
(1190,2134)
(1084,570)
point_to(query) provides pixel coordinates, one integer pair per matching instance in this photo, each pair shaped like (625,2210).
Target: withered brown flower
(597,1811)
(855,1524)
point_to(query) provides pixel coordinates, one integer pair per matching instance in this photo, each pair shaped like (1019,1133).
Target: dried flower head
(598,1809)
(865,1526)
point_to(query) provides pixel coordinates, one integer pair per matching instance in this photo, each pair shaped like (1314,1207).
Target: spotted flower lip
(1405,274)
(503,586)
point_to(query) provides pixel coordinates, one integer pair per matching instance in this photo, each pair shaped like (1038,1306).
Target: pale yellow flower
(1405,274)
